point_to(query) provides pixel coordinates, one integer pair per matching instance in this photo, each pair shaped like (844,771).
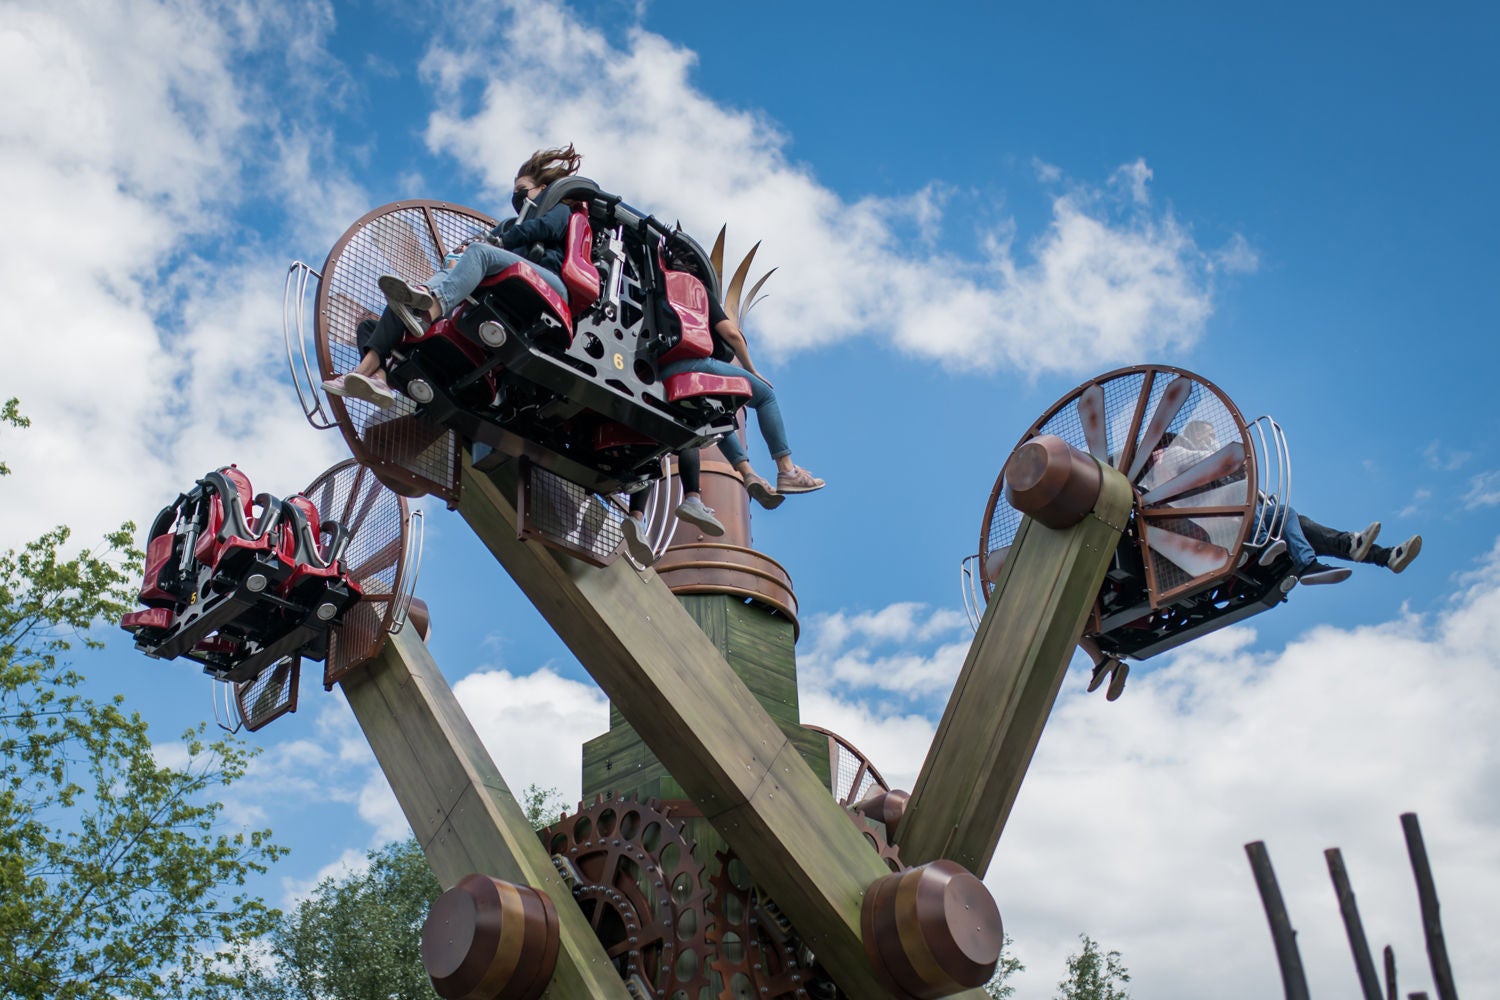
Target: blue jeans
(477,263)
(1297,545)
(762,401)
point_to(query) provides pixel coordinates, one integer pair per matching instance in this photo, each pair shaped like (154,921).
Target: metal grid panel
(407,239)
(852,778)
(270,695)
(1123,391)
(375,558)
(567,517)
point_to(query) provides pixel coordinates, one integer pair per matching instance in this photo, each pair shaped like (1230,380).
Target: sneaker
(695,512)
(1117,681)
(1101,671)
(799,480)
(1273,552)
(635,542)
(1402,555)
(1315,573)
(762,492)
(1360,547)
(400,292)
(356,386)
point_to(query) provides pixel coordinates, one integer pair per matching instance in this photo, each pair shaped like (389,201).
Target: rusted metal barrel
(697,564)
(1052,482)
(931,931)
(490,940)
(886,808)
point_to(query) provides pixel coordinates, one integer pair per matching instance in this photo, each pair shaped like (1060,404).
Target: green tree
(1094,975)
(999,988)
(115,880)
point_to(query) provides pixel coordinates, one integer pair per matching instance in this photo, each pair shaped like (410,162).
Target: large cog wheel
(635,877)
(757,953)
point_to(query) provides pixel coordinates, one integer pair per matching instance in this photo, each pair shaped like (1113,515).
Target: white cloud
(1484,490)
(1131,824)
(872,650)
(1106,281)
(1445,459)
(146,365)
(517,715)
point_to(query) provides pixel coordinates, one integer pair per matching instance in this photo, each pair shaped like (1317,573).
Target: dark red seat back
(689,300)
(578,272)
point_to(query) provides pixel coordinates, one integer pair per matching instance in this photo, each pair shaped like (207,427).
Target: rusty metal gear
(757,953)
(634,874)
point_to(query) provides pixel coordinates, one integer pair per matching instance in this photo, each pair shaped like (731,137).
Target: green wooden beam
(672,685)
(459,807)
(1005,691)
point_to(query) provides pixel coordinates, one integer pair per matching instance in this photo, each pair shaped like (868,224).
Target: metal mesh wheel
(1185,449)
(408,239)
(851,775)
(379,557)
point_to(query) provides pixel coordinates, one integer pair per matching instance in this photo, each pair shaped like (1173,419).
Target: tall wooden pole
(1364,964)
(1015,667)
(1293,979)
(459,806)
(1432,924)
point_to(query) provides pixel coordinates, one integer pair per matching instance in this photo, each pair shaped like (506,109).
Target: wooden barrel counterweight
(931,931)
(486,939)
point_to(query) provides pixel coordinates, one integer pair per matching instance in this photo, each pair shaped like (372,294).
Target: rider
(536,242)
(729,345)
(692,509)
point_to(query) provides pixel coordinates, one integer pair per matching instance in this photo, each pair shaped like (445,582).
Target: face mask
(517,200)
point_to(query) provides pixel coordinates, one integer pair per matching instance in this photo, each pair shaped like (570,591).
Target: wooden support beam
(671,684)
(1364,963)
(1432,923)
(1293,979)
(994,719)
(459,807)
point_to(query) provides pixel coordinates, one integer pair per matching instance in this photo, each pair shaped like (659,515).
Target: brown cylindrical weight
(1052,482)
(420,617)
(486,939)
(931,931)
(886,808)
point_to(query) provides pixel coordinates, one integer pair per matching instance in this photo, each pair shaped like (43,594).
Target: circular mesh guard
(1184,447)
(375,558)
(852,778)
(270,695)
(407,239)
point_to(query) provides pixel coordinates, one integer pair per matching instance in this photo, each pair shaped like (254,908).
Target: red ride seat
(689,300)
(685,385)
(579,274)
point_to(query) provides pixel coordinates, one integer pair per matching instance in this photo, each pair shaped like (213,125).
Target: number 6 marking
(620,362)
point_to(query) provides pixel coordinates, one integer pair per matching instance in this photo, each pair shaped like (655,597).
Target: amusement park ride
(723,849)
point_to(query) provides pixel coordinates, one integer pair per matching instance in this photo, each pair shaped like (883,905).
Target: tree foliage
(114,878)
(1094,975)
(999,988)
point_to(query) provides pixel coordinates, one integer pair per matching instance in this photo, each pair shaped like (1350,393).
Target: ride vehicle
(573,385)
(1203,547)
(240,581)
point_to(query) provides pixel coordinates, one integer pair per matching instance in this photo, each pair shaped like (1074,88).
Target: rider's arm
(551,228)
(731,335)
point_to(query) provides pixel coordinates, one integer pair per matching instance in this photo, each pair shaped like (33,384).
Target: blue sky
(973,209)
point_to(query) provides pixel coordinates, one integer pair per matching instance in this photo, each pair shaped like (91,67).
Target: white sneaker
(1362,542)
(695,512)
(1403,554)
(1315,573)
(635,542)
(356,386)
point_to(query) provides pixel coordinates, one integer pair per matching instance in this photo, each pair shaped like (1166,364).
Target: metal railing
(294,332)
(1273,462)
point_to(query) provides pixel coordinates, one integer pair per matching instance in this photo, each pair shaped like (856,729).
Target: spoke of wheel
(1220,465)
(383,558)
(1091,415)
(1195,557)
(373,493)
(1172,400)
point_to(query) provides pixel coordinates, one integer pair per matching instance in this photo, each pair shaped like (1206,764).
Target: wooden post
(1285,939)
(1432,924)
(459,807)
(1005,692)
(1390,973)
(700,720)
(1363,963)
